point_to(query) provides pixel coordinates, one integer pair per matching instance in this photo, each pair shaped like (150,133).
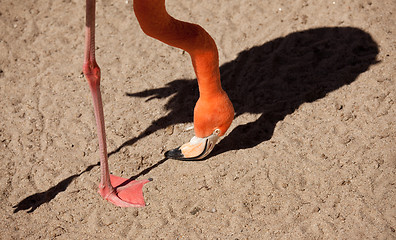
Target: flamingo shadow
(273,80)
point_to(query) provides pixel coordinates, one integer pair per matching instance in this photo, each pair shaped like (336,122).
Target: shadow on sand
(34,201)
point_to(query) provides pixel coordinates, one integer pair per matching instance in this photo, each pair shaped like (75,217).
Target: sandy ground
(311,153)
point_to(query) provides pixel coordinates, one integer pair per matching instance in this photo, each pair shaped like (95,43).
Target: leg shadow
(32,202)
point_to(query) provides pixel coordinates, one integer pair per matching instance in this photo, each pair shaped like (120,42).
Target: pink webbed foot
(125,193)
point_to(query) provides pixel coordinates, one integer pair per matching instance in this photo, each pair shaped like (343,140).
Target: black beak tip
(174,154)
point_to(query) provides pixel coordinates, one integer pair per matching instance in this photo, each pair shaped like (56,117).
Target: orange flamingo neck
(213,110)
(208,76)
(157,23)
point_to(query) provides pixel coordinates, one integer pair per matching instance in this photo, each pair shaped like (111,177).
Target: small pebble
(195,210)
(169,130)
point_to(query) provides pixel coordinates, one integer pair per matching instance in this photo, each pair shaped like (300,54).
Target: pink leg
(126,193)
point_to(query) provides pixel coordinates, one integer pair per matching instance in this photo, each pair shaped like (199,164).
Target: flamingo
(213,112)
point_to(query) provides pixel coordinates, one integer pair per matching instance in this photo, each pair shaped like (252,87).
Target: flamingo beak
(197,148)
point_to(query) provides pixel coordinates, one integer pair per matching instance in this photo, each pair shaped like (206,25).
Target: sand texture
(311,153)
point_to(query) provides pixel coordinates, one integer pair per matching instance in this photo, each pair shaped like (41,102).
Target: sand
(310,155)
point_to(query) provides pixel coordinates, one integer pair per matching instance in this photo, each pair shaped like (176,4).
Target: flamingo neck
(157,23)
(213,110)
(208,75)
